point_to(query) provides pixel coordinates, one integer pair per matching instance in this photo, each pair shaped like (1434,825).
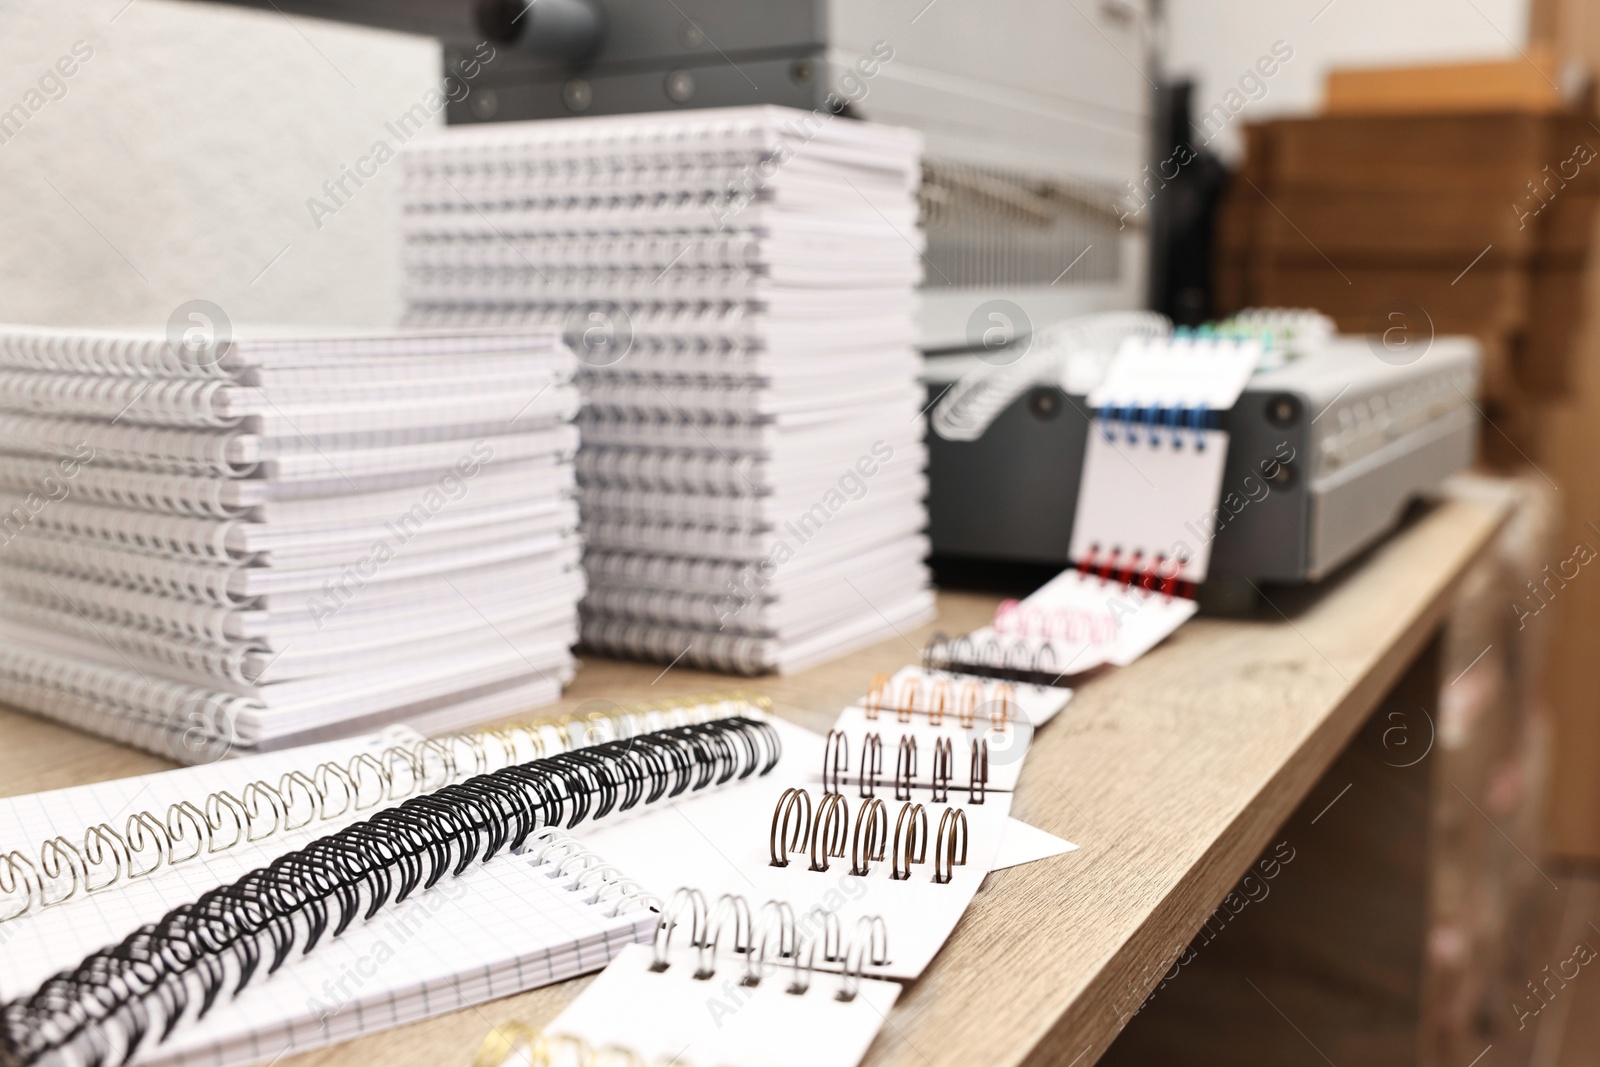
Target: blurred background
(1428,167)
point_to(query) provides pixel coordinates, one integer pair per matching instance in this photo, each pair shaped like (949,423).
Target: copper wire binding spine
(102,1010)
(967,701)
(825,834)
(330,794)
(836,766)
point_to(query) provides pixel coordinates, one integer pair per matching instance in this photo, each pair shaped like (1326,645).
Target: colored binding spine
(141,988)
(1156,425)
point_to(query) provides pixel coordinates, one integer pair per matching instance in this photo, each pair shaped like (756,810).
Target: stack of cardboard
(1406,226)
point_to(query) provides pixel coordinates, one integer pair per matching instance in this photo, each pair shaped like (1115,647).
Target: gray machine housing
(1325,455)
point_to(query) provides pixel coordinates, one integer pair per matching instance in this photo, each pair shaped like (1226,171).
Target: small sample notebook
(217,544)
(739,987)
(449,898)
(936,729)
(738,284)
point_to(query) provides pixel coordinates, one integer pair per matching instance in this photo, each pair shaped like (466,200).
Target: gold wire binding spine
(224,820)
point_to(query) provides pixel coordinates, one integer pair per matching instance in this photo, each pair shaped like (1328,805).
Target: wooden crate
(1358,215)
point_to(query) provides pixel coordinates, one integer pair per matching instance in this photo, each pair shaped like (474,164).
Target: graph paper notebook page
(209,528)
(306,902)
(512,924)
(735,985)
(739,286)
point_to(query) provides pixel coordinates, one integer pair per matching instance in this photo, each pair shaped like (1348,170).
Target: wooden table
(1172,774)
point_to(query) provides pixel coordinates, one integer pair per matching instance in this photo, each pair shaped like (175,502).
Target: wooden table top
(1171,774)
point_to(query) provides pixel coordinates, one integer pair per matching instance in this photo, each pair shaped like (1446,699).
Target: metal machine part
(1035,114)
(1325,454)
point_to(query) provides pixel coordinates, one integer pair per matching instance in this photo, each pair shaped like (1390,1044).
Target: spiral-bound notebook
(438,903)
(739,986)
(506,926)
(271,539)
(739,285)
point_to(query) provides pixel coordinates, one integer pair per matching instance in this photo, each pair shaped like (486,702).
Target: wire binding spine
(825,833)
(1133,571)
(102,600)
(192,452)
(146,572)
(179,494)
(1156,425)
(228,661)
(186,722)
(103,1010)
(1012,659)
(836,765)
(723,652)
(103,355)
(768,939)
(191,402)
(178,535)
(963,698)
(328,793)
(693,471)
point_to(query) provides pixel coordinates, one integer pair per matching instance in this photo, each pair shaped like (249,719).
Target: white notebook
(277,537)
(750,275)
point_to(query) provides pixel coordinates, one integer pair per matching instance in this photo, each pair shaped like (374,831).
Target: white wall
(1217,41)
(179,161)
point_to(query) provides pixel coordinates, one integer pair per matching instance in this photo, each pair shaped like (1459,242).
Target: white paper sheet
(672,1017)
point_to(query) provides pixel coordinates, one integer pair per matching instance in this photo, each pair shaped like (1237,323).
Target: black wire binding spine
(102,1011)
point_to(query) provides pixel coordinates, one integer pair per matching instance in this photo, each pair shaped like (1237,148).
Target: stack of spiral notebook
(738,285)
(243,543)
